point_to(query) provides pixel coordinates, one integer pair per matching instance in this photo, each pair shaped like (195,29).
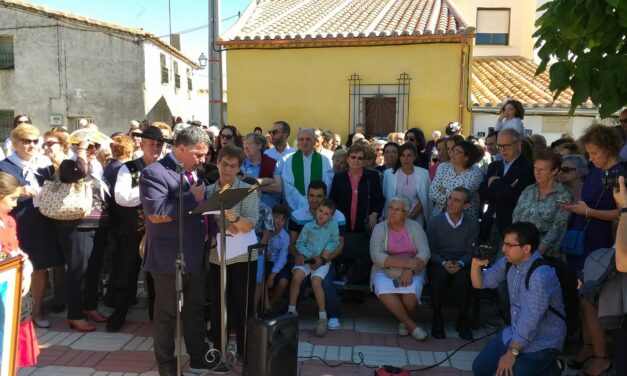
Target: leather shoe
(43,323)
(94,315)
(81,325)
(116,320)
(464,332)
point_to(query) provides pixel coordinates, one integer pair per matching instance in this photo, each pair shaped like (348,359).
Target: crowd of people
(397,214)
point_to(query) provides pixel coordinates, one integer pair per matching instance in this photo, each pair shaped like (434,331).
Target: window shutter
(493,21)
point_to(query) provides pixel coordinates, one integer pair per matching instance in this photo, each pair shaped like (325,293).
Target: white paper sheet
(236,245)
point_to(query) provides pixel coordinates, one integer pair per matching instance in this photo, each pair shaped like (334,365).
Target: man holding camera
(531,344)
(451,235)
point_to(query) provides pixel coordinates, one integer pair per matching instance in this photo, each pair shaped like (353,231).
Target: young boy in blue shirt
(315,243)
(277,270)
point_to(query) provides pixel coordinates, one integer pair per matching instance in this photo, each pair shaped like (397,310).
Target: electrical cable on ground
(362,358)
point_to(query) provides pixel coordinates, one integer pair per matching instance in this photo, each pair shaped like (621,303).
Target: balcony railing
(164,75)
(6,60)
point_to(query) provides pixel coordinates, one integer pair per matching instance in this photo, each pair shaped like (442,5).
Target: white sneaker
(402,330)
(419,333)
(321,327)
(334,324)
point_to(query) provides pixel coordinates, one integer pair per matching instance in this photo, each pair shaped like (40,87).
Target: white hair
(402,199)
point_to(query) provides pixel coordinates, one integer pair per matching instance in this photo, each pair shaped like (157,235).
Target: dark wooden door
(380,115)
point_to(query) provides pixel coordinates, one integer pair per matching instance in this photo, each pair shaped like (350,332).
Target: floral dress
(447,178)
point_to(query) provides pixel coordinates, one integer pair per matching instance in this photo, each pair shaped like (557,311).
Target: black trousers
(235,300)
(440,279)
(83,249)
(193,318)
(125,264)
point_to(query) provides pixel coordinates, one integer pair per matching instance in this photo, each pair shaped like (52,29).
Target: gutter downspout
(462,77)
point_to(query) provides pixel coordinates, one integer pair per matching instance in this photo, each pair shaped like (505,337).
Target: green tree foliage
(587,40)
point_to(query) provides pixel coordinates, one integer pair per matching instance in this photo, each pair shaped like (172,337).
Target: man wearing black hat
(130,226)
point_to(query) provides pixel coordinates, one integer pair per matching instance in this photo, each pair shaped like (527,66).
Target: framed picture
(10,302)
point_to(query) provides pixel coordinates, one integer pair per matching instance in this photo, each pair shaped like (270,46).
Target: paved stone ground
(368,331)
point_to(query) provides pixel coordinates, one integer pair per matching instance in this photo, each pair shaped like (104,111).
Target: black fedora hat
(153,133)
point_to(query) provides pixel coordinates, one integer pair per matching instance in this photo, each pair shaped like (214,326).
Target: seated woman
(399,250)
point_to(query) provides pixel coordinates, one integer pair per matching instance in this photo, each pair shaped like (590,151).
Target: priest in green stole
(303,167)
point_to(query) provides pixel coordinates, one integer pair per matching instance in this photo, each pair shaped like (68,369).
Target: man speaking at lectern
(159,191)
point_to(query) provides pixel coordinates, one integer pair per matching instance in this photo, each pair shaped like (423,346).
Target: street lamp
(202,61)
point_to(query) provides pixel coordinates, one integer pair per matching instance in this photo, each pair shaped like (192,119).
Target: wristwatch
(623,210)
(514,351)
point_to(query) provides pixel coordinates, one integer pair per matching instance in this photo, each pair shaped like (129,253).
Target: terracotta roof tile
(70,17)
(496,78)
(335,20)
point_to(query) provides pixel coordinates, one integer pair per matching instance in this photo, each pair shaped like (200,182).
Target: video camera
(483,252)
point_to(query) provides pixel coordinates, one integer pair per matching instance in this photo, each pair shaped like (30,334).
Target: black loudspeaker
(272,347)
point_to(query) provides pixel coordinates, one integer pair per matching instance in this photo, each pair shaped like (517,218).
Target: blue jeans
(330,294)
(543,362)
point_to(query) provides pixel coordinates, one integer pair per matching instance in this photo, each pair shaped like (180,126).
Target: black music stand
(220,201)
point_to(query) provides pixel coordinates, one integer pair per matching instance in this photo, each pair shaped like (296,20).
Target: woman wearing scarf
(83,240)
(31,169)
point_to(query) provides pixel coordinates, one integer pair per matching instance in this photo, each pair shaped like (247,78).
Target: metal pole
(215,66)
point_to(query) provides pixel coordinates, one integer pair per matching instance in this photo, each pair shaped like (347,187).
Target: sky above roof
(189,17)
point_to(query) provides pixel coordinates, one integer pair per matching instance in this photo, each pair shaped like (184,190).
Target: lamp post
(202,61)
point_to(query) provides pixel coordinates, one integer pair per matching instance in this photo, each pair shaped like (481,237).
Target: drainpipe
(462,78)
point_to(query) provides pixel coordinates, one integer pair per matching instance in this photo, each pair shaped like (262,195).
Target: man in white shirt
(303,167)
(129,223)
(280,150)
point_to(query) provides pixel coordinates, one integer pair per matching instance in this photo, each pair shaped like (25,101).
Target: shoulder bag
(65,201)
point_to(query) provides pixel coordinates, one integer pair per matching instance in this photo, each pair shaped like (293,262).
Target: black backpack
(568,284)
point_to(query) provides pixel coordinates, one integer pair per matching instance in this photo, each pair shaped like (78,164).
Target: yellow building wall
(309,87)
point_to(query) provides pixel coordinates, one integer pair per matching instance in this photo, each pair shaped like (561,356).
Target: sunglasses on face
(359,158)
(50,144)
(28,141)
(566,170)
(226,137)
(93,146)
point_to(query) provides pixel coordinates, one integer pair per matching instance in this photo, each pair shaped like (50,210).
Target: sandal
(605,372)
(576,364)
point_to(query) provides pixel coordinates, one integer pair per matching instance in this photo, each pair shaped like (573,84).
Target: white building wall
(181,102)
(552,129)
(71,73)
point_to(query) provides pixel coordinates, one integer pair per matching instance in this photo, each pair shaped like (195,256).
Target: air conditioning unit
(56,120)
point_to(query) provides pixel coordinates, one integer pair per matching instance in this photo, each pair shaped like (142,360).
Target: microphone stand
(179,266)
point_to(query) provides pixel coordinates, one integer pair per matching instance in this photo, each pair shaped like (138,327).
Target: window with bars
(164,69)
(6,52)
(177,77)
(492,27)
(6,123)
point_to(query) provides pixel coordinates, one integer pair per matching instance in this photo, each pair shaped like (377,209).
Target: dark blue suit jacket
(502,195)
(43,248)
(159,194)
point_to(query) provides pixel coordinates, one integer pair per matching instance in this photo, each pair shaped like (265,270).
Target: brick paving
(368,332)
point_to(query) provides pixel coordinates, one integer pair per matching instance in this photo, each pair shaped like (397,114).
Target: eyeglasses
(223,164)
(510,245)
(49,144)
(566,170)
(226,137)
(353,156)
(28,141)
(457,151)
(274,132)
(505,146)
(93,146)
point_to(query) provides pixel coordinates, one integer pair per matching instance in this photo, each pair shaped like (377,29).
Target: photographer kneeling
(531,344)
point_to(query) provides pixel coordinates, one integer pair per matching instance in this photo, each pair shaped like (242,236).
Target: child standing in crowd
(27,345)
(277,270)
(315,243)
